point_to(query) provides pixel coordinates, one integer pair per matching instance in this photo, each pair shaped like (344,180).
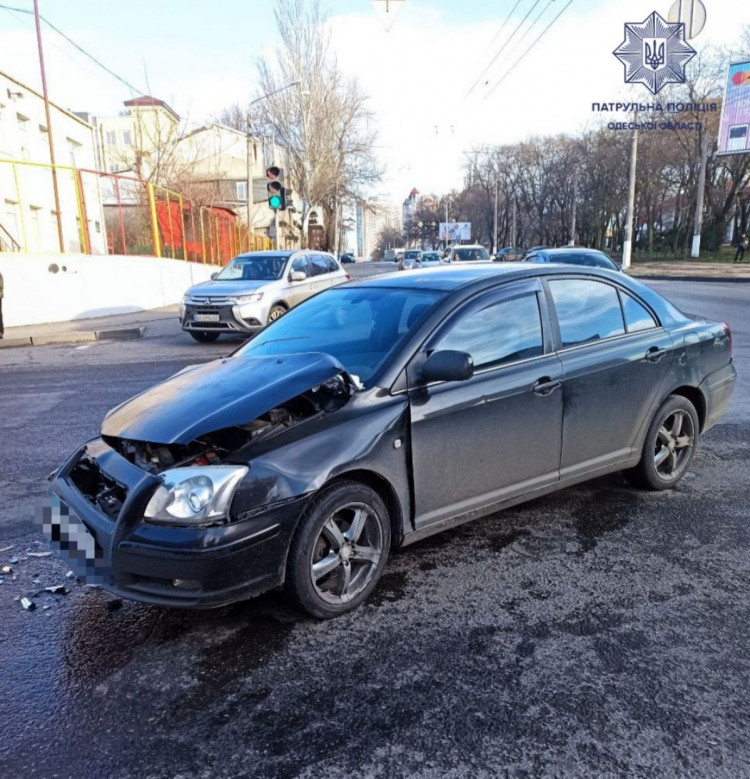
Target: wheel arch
(387,493)
(696,397)
(281,303)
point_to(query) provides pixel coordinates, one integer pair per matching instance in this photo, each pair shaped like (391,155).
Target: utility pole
(696,250)
(249,177)
(494,234)
(573,217)
(513,229)
(58,212)
(627,243)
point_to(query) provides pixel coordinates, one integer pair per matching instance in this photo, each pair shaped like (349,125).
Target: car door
(615,358)
(498,434)
(334,273)
(300,290)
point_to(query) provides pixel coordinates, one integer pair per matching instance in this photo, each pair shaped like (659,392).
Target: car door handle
(655,353)
(546,386)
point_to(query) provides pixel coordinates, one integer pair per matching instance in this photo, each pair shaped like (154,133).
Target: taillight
(348,277)
(728,331)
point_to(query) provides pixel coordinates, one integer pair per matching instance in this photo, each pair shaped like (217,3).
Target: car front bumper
(229,318)
(162,564)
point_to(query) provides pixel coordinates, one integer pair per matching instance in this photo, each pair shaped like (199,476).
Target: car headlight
(247,298)
(194,496)
(186,297)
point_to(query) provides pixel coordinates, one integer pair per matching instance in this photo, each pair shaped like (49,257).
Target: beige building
(28,218)
(373,216)
(142,138)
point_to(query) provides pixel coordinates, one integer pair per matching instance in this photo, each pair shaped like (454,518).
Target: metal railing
(109,213)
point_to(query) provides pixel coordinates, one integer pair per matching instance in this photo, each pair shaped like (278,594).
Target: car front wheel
(275,313)
(339,550)
(669,445)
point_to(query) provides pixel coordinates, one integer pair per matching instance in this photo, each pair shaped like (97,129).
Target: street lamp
(249,192)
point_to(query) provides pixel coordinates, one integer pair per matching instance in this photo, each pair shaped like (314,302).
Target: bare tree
(323,124)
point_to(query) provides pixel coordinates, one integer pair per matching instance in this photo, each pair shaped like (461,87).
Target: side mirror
(214,275)
(297,275)
(448,365)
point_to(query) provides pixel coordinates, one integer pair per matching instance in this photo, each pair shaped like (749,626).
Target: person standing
(2,326)
(739,255)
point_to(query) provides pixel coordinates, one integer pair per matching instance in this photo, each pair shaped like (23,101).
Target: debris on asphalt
(39,554)
(28,604)
(46,606)
(5,548)
(36,581)
(6,570)
(56,589)
(13,560)
(70,575)
(113,605)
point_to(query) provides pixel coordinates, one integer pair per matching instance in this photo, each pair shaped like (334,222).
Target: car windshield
(359,326)
(411,255)
(266,267)
(471,253)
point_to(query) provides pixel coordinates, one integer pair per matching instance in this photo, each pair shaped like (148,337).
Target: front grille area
(101,491)
(210,300)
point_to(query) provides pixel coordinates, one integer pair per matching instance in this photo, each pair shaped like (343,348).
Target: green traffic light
(274,202)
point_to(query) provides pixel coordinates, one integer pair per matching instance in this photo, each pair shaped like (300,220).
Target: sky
(425,76)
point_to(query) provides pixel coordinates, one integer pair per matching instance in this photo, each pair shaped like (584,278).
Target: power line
(539,37)
(495,37)
(530,27)
(75,45)
(494,59)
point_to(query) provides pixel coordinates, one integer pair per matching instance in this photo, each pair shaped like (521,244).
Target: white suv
(468,253)
(254,289)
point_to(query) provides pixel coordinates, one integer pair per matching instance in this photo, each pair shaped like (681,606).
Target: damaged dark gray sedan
(376,414)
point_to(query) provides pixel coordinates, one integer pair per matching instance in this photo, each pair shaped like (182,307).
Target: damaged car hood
(220,394)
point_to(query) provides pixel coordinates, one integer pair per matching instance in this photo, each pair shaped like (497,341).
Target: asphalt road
(601,631)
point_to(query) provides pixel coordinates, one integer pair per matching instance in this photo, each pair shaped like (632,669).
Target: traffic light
(275,187)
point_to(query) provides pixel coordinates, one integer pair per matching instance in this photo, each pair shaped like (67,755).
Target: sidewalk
(106,328)
(690,270)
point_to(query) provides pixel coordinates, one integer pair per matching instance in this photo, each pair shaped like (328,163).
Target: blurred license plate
(206,317)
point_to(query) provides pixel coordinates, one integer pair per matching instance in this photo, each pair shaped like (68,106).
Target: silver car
(254,289)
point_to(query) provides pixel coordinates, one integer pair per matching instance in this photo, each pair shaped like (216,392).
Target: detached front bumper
(110,544)
(229,318)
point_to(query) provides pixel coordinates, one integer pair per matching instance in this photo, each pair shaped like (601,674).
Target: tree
(323,123)
(388,238)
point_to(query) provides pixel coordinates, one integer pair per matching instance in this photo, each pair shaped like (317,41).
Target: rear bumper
(169,566)
(717,389)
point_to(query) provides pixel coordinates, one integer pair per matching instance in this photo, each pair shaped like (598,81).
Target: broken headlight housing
(195,496)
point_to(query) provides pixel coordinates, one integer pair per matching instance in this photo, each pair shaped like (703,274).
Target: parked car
(574,255)
(431,259)
(255,289)
(379,413)
(533,249)
(410,260)
(347,259)
(508,254)
(468,253)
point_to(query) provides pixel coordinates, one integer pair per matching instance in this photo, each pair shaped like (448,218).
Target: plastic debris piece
(113,605)
(5,570)
(38,554)
(46,606)
(28,604)
(13,560)
(69,575)
(56,589)
(5,548)
(36,581)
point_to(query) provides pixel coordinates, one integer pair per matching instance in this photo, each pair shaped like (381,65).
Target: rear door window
(587,310)
(318,265)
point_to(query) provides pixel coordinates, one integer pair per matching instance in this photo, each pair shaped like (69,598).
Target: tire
(669,446)
(329,570)
(203,336)
(276,312)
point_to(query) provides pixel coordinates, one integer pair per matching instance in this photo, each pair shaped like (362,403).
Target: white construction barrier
(42,288)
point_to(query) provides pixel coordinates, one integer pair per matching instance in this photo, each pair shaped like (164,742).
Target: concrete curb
(82,336)
(679,277)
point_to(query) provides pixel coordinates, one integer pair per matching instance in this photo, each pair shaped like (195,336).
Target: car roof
(567,249)
(280,253)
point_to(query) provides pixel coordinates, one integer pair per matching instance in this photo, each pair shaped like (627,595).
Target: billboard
(734,130)
(455,231)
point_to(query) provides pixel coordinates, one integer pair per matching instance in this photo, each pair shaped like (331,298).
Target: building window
(242,190)
(127,138)
(111,137)
(73,150)
(23,122)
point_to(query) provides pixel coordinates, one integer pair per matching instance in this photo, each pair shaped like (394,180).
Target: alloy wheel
(346,553)
(674,444)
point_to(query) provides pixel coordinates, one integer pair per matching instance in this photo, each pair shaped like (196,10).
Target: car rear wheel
(339,550)
(669,446)
(204,336)
(276,312)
